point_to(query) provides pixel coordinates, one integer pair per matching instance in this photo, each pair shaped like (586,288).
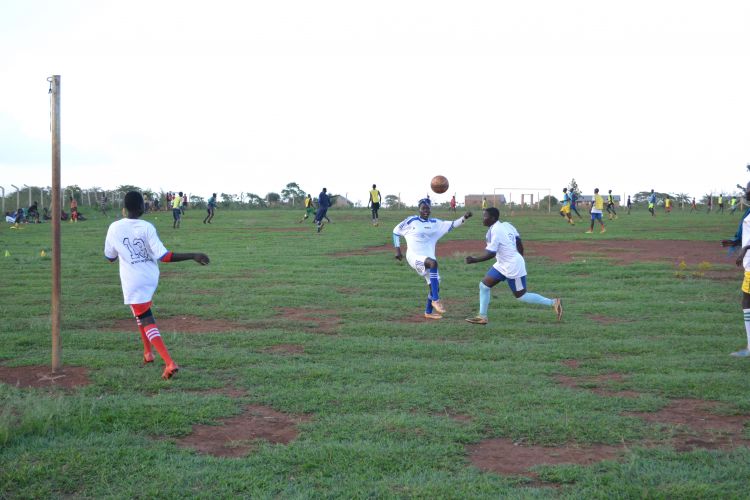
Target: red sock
(152,332)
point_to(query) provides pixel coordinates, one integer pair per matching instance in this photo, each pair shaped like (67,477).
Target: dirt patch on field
(695,426)
(284,349)
(68,377)
(630,251)
(691,422)
(318,320)
(182,324)
(620,251)
(236,436)
(505,456)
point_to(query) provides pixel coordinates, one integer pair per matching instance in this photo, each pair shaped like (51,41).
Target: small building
(493,200)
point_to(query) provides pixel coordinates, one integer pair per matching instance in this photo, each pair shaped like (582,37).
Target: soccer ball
(439,184)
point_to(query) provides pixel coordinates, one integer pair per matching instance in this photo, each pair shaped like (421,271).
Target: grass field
(322,334)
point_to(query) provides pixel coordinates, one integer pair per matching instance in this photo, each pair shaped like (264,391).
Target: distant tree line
(291,196)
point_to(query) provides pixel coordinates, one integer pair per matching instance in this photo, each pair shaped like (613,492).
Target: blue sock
(484,299)
(434,283)
(535,298)
(428,307)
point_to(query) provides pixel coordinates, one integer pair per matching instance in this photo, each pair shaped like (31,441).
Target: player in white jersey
(742,239)
(504,244)
(137,246)
(422,234)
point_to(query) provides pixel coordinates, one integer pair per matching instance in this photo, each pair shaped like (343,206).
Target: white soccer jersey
(422,235)
(746,241)
(139,249)
(501,239)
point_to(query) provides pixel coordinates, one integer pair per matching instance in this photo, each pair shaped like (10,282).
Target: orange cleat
(438,306)
(169,371)
(147,358)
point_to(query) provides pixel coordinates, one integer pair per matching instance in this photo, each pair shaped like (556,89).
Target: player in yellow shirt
(596,212)
(309,208)
(374,204)
(668,205)
(176,211)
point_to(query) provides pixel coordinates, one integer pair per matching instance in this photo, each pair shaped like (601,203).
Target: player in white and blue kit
(504,244)
(422,234)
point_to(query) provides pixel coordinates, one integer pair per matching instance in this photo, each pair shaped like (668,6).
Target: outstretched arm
(200,258)
(470,259)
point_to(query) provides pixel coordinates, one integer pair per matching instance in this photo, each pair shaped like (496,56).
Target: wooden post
(56,209)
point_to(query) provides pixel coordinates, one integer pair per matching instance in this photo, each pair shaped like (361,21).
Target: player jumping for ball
(422,234)
(135,243)
(504,243)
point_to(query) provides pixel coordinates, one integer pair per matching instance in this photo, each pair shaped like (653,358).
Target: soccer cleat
(148,358)
(589,232)
(603,230)
(433,315)
(557,306)
(438,306)
(477,320)
(320,226)
(169,371)
(742,353)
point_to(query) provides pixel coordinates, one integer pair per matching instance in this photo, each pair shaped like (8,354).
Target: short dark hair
(133,201)
(494,212)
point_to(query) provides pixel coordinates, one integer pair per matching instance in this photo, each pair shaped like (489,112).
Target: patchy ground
(236,436)
(621,251)
(689,424)
(69,377)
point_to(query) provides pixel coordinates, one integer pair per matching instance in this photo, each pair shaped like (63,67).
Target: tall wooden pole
(56,209)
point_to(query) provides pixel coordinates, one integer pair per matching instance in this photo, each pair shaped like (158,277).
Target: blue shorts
(515,284)
(176,213)
(596,216)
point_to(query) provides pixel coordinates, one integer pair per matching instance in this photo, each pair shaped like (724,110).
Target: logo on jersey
(137,249)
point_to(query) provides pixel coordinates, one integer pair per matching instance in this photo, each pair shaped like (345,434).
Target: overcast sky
(249,96)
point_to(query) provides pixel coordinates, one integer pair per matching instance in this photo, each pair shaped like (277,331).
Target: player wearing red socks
(135,243)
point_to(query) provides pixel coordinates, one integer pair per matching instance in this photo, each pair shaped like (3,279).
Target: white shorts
(417,263)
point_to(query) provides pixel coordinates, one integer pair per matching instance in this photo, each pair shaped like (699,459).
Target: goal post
(530,198)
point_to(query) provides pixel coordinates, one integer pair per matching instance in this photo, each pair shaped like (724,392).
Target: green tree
(391,201)
(273,198)
(227,200)
(197,201)
(126,187)
(255,201)
(292,193)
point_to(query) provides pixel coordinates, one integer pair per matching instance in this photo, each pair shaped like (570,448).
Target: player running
(596,212)
(565,209)
(374,203)
(422,234)
(309,208)
(504,244)
(135,243)
(611,206)
(210,208)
